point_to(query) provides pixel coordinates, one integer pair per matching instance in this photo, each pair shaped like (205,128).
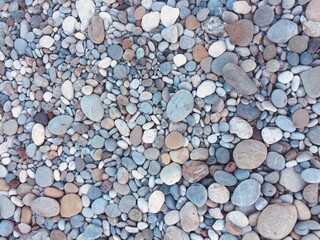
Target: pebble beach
(159,120)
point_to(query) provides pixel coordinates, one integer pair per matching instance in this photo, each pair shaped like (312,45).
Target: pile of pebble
(173,120)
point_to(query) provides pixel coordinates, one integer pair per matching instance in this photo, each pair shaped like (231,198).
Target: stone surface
(96,30)
(206,88)
(313,135)
(150,21)
(246,193)
(271,135)
(263,16)
(277,220)
(219,63)
(70,205)
(169,15)
(197,194)
(218,193)
(38,134)
(312,11)
(60,124)
(92,107)
(85,9)
(194,171)
(175,233)
(291,180)
(217,48)
(44,176)
(45,207)
(249,154)
(180,105)
(189,217)
(311,175)
(310,82)
(174,140)
(171,174)
(240,127)
(282,31)
(301,118)
(238,79)
(7,208)
(156,201)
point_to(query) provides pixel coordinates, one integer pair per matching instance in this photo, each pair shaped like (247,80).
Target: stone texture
(71,205)
(45,207)
(282,31)
(246,193)
(180,105)
(189,217)
(194,171)
(310,81)
(92,107)
(96,30)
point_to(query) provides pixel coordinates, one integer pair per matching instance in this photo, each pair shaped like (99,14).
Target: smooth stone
(240,127)
(171,174)
(236,32)
(282,31)
(92,107)
(92,231)
(199,53)
(169,15)
(179,60)
(175,233)
(46,41)
(127,203)
(276,221)
(150,21)
(180,105)
(69,25)
(217,48)
(279,98)
(20,46)
(170,34)
(206,88)
(224,178)
(115,51)
(218,64)
(285,123)
(218,193)
(60,124)
(194,171)
(237,218)
(197,194)
(180,155)
(67,90)
(186,42)
(10,127)
(247,36)
(310,82)
(285,77)
(311,175)
(41,118)
(189,217)
(156,200)
(313,135)
(7,208)
(248,112)
(71,205)
(312,11)
(263,16)
(236,77)
(271,135)
(6,228)
(85,9)
(291,180)
(241,7)
(45,207)
(298,44)
(174,140)
(275,161)
(38,134)
(96,30)
(44,176)
(112,210)
(249,154)
(301,118)
(246,193)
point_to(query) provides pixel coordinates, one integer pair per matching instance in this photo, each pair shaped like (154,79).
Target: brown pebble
(301,118)
(298,44)
(165,158)
(194,171)
(139,13)
(57,235)
(235,31)
(192,23)
(71,205)
(310,193)
(205,64)
(71,188)
(174,140)
(53,192)
(269,52)
(26,215)
(106,186)
(199,53)
(136,136)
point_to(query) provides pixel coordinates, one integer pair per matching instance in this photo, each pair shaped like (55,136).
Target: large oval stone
(246,193)
(249,154)
(282,31)
(310,81)
(180,105)
(60,124)
(236,77)
(92,107)
(277,220)
(45,207)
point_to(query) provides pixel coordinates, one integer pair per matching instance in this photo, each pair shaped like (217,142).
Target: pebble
(309,81)
(71,205)
(174,232)
(156,201)
(92,231)
(96,30)
(189,217)
(218,193)
(179,60)
(7,208)
(270,225)
(241,128)
(241,7)
(301,118)
(206,88)
(279,98)
(171,174)
(194,171)
(282,31)
(60,124)
(246,193)
(10,127)
(45,207)
(311,175)
(263,16)
(217,48)
(271,135)
(312,11)
(150,21)
(180,105)
(313,135)
(291,180)
(85,9)
(169,15)
(6,228)
(249,154)
(44,176)
(92,107)
(219,63)
(197,194)
(236,77)
(174,140)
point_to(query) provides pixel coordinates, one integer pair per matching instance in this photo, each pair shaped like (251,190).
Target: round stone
(199,53)
(311,175)
(276,221)
(45,207)
(115,52)
(71,205)
(217,48)
(112,210)
(92,107)
(169,15)
(240,127)
(127,203)
(194,171)
(150,21)
(246,193)
(189,217)
(271,135)
(249,154)
(275,161)
(7,208)
(301,118)
(279,98)
(197,194)
(180,105)
(171,174)
(10,127)
(38,134)
(298,44)
(156,200)
(263,16)
(174,140)
(291,180)
(6,228)
(60,124)
(282,31)
(206,88)
(44,176)
(218,193)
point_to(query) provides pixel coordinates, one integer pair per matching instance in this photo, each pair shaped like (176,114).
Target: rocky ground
(170,120)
